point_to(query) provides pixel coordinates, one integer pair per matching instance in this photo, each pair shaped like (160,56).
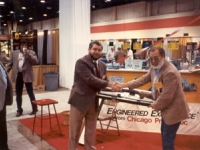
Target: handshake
(115,86)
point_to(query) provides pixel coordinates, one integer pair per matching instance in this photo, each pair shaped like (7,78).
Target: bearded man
(170,100)
(89,78)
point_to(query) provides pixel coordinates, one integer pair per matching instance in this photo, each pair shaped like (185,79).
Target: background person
(119,55)
(110,55)
(83,102)
(6,98)
(130,53)
(21,62)
(171,101)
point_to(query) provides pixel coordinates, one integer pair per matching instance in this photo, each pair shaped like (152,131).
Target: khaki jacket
(171,102)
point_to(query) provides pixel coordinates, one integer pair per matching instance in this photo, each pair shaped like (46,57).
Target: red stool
(46,102)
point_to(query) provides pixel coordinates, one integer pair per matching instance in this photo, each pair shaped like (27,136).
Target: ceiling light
(30,18)
(11,12)
(42,1)
(45,15)
(107,0)
(1,16)
(4,24)
(20,20)
(2,3)
(49,8)
(23,7)
(93,6)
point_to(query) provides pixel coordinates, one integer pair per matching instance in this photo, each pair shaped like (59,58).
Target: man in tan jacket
(171,101)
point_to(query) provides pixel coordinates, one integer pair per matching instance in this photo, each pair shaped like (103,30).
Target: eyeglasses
(156,58)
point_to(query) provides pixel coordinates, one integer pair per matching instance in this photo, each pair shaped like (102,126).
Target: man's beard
(94,58)
(159,65)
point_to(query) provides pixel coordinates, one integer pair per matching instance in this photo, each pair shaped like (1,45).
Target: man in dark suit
(21,62)
(6,98)
(88,80)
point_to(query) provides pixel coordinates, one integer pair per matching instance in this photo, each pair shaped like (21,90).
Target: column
(74,37)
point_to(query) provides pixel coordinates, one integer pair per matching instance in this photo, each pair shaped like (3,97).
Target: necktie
(97,70)
(153,88)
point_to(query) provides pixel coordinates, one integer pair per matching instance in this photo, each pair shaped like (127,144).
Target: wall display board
(137,46)
(126,45)
(191,46)
(159,45)
(173,45)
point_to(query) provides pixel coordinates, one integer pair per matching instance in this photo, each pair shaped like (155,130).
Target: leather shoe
(18,114)
(33,112)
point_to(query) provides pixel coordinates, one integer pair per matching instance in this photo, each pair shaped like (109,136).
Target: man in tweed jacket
(171,101)
(21,62)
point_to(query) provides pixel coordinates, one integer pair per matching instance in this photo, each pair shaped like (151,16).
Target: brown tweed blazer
(171,102)
(86,84)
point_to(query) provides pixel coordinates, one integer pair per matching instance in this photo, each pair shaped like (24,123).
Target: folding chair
(105,119)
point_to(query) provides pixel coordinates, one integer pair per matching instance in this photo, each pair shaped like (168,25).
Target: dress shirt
(21,61)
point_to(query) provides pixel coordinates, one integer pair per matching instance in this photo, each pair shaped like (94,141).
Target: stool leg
(57,118)
(41,120)
(34,124)
(50,118)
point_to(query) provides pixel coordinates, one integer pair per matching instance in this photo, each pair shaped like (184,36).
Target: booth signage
(137,64)
(117,79)
(144,119)
(173,45)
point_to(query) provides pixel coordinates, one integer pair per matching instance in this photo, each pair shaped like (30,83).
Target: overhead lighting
(49,8)
(23,7)
(1,16)
(93,6)
(20,20)
(2,3)
(107,1)
(42,1)
(30,18)
(11,12)
(44,15)
(4,24)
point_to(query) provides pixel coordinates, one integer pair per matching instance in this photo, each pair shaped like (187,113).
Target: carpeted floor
(127,140)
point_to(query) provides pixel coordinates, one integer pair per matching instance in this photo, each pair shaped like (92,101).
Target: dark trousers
(19,90)
(168,133)
(3,130)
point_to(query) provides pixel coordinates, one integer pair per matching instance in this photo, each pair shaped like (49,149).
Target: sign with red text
(141,118)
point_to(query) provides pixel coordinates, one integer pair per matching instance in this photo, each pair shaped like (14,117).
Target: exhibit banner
(173,45)
(142,118)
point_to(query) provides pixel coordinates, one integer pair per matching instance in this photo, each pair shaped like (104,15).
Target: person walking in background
(119,55)
(170,101)
(129,53)
(110,55)
(89,78)
(6,98)
(21,62)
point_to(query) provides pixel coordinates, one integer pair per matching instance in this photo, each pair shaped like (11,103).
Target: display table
(129,74)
